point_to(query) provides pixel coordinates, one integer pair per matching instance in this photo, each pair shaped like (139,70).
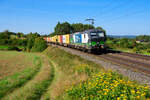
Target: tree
(6,34)
(20,35)
(88,26)
(99,27)
(64,28)
(39,45)
(78,27)
(31,39)
(144,38)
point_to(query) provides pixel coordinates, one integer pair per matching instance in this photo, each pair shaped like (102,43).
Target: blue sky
(117,17)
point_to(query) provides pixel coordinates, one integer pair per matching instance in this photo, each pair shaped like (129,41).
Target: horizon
(123,17)
(106,34)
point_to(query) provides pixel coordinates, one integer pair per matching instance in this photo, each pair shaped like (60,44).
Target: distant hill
(123,36)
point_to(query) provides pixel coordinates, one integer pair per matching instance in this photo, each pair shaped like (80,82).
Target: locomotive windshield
(97,35)
(101,34)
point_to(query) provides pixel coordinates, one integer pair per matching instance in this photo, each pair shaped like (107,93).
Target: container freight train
(89,40)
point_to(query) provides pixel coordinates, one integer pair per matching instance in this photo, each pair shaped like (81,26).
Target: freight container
(48,39)
(61,39)
(71,39)
(45,38)
(67,38)
(53,39)
(85,38)
(64,38)
(78,37)
(56,39)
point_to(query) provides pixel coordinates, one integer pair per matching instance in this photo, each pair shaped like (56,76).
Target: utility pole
(90,21)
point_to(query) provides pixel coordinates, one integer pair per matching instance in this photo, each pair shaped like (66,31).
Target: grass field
(58,75)
(69,69)
(34,88)
(14,60)
(7,47)
(16,69)
(3,47)
(76,78)
(144,52)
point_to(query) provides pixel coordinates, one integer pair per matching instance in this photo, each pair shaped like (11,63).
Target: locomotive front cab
(97,39)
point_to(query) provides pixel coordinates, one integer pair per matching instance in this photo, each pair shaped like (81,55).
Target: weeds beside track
(96,88)
(69,69)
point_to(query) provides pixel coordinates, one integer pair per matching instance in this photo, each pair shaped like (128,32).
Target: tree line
(67,28)
(138,44)
(34,41)
(29,42)
(143,38)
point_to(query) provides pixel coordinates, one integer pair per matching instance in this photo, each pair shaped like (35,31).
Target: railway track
(135,71)
(145,57)
(130,60)
(135,62)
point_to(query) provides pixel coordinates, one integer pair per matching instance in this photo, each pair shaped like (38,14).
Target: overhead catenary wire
(127,15)
(114,8)
(109,9)
(131,13)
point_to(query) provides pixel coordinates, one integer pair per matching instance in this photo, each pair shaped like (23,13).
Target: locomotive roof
(93,30)
(89,30)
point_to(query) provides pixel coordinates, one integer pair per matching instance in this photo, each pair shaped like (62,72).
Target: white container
(85,38)
(64,38)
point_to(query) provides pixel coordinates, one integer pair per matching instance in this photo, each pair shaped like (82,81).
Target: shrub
(148,50)
(39,45)
(13,48)
(3,41)
(137,50)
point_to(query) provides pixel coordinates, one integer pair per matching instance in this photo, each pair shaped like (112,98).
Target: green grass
(4,47)
(69,69)
(75,81)
(9,83)
(18,61)
(144,52)
(59,76)
(8,47)
(34,88)
(125,50)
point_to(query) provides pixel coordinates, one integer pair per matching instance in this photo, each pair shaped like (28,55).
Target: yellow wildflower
(122,95)
(118,98)
(138,97)
(143,94)
(138,92)
(132,91)
(105,93)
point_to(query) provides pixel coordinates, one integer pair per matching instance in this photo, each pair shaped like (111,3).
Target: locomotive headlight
(102,46)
